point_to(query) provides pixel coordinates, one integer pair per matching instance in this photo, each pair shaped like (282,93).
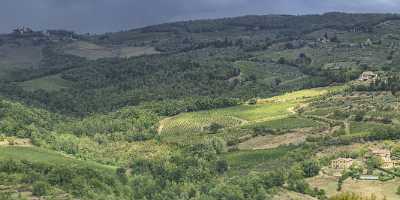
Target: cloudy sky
(97,16)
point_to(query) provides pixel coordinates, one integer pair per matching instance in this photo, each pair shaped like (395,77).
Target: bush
(11,141)
(222,166)
(40,188)
(213,128)
(311,168)
(252,101)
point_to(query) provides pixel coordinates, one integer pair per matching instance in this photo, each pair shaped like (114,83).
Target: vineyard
(281,107)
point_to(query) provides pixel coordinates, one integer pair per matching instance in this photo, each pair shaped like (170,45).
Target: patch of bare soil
(382,190)
(331,150)
(289,195)
(22,142)
(273,141)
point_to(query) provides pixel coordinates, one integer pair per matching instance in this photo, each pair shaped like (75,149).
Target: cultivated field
(274,141)
(243,162)
(271,110)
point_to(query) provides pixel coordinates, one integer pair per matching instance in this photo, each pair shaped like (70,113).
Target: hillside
(253,107)
(245,57)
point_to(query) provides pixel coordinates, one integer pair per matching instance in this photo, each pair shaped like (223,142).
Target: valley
(254,107)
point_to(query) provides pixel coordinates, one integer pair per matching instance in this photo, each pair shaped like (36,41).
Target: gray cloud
(113,15)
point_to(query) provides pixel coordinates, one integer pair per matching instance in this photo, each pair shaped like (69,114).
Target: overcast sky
(97,16)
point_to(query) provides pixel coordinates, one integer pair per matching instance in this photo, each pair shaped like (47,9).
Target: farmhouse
(342,163)
(368,76)
(385,155)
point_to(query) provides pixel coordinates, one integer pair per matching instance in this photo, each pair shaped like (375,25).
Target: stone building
(368,76)
(342,163)
(385,155)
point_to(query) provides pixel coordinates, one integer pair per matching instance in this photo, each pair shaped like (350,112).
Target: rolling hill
(253,107)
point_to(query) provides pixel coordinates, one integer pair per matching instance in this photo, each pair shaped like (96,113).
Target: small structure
(369,177)
(23,30)
(385,156)
(342,163)
(368,76)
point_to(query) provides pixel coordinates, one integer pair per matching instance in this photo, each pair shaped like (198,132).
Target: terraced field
(189,125)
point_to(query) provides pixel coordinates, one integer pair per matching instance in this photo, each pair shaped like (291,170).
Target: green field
(286,123)
(38,155)
(267,72)
(189,124)
(47,83)
(242,162)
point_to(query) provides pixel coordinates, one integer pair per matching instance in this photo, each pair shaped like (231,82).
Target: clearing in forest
(93,51)
(48,83)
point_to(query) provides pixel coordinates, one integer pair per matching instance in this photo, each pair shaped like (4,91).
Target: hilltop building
(23,30)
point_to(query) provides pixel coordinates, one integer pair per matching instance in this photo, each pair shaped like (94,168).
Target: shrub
(222,166)
(252,101)
(213,128)
(11,141)
(40,188)
(311,168)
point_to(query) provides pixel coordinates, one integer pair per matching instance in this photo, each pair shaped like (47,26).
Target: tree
(40,188)
(373,162)
(396,152)
(275,179)
(213,128)
(252,101)
(227,192)
(282,60)
(311,168)
(222,166)
(278,81)
(121,173)
(144,187)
